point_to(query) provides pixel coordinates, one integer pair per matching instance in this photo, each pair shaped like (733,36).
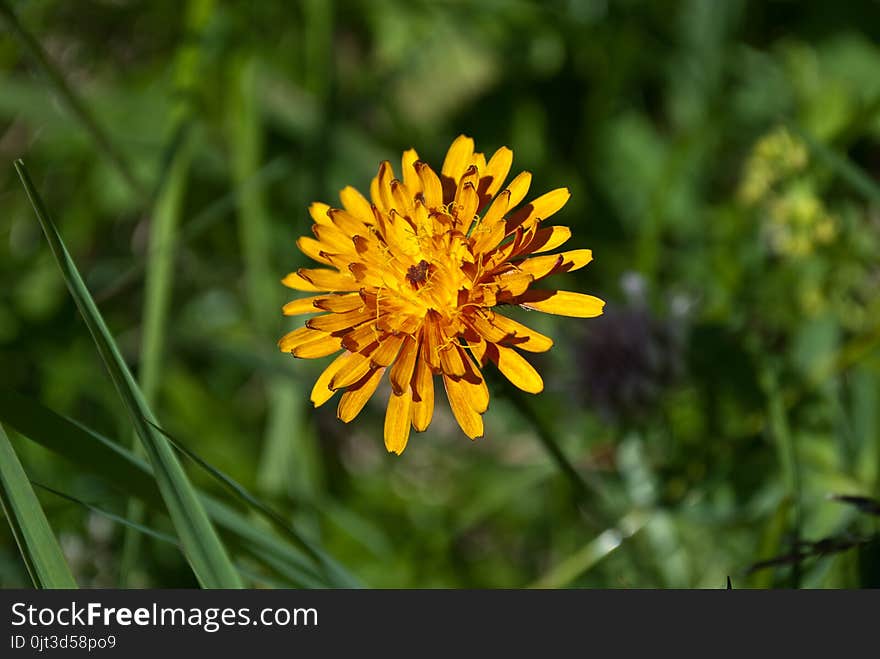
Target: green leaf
(204,551)
(244,495)
(35,539)
(87,449)
(132,476)
(135,526)
(295,576)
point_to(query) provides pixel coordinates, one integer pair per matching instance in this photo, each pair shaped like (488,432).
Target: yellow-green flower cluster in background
(797,221)
(775,157)
(776,182)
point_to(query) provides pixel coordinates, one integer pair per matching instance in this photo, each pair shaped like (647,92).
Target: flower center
(417,274)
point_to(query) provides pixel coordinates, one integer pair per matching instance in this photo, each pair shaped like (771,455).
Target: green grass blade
(143,529)
(294,574)
(594,551)
(283,568)
(36,542)
(204,551)
(242,493)
(71,98)
(82,446)
(95,454)
(119,519)
(266,546)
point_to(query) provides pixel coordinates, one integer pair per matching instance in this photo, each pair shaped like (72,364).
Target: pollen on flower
(411,281)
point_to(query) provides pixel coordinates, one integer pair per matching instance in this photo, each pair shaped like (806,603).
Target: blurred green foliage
(724,163)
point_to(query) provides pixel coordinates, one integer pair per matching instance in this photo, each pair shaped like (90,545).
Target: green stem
(583,490)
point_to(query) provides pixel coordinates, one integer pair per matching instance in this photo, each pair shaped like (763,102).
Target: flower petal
(356,204)
(356,396)
(402,370)
(325,280)
(381,191)
(551,264)
(432,190)
(334,322)
(562,303)
(483,322)
(458,158)
(545,239)
(522,337)
(479,161)
(468,201)
(423,396)
(387,350)
(360,337)
(347,223)
(538,209)
(479,347)
(321,347)
(516,369)
(333,240)
(475,386)
(431,339)
(351,371)
(519,187)
(497,169)
(314,249)
(298,337)
(570,261)
(321,391)
(407,167)
(295,281)
(468,418)
(318,211)
(512,282)
(452,360)
(301,306)
(397,421)
(339,303)
(540,266)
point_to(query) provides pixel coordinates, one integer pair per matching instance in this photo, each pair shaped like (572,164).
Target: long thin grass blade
(95,454)
(84,447)
(143,529)
(204,551)
(242,493)
(594,551)
(36,542)
(119,519)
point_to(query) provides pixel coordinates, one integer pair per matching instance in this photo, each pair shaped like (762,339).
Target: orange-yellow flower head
(411,279)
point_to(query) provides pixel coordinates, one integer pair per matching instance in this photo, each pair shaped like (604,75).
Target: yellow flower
(411,280)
